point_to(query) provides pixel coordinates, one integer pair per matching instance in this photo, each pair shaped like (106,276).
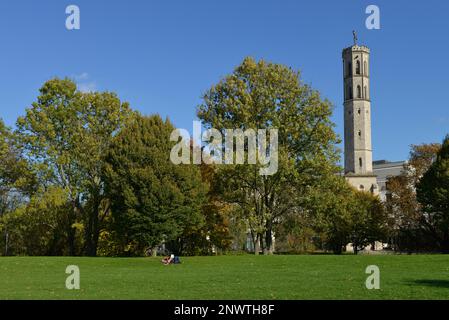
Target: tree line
(84,174)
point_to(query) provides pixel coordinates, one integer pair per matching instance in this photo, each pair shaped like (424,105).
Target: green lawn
(227,277)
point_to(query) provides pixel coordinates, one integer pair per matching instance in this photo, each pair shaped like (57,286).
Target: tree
(367,222)
(213,235)
(46,133)
(37,227)
(407,221)
(345,215)
(102,115)
(65,135)
(297,235)
(15,174)
(261,95)
(5,174)
(152,200)
(433,195)
(17,181)
(329,209)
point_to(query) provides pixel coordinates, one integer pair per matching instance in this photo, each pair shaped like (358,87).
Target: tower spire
(357,117)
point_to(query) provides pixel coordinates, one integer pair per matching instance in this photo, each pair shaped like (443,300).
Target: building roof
(384,169)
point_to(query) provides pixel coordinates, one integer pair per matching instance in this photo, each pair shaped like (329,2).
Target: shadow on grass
(431,283)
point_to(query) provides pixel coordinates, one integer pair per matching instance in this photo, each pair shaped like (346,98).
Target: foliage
(65,134)
(261,95)
(152,200)
(368,222)
(16,179)
(297,235)
(408,229)
(433,195)
(37,228)
(83,174)
(213,235)
(345,215)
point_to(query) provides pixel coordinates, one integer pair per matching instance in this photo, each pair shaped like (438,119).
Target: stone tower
(357,118)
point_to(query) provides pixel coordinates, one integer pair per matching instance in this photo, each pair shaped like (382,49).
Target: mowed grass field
(227,277)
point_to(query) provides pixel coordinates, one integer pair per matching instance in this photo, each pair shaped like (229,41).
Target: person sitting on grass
(176,260)
(169,259)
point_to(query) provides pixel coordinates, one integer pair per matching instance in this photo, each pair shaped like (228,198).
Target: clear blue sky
(162,55)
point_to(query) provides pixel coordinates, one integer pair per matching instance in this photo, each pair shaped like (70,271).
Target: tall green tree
(345,215)
(65,134)
(368,221)
(263,95)
(5,162)
(213,235)
(102,116)
(15,173)
(433,195)
(46,132)
(17,182)
(329,207)
(153,201)
(408,224)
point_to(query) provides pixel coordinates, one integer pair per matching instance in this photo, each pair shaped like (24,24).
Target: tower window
(359,92)
(366,93)
(357,68)
(360,162)
(359,111)
(365,69)
(349,68)
(350,93)
(360,133)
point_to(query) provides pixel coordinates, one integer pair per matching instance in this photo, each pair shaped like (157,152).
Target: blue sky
(161,56)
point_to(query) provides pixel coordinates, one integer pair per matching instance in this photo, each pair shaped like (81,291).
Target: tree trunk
(87,236)
(262,243)
(71,240)
(6,242)
(71,232)
(257,246)
(92,232)
(253,240)
(268,241)
(356,248)
(445,242)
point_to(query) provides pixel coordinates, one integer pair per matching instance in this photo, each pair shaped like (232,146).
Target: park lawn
(227,277)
